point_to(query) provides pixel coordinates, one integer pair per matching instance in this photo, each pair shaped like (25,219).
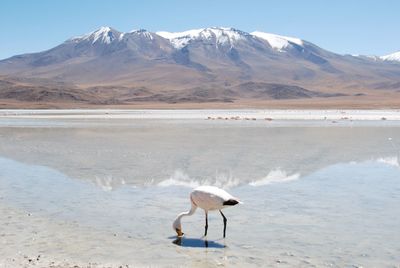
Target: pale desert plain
(100,188)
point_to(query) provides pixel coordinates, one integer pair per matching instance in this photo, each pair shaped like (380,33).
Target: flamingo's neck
(177,222)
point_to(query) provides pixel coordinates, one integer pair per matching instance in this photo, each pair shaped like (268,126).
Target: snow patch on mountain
(143,33)
(278,42)
(180,39)
(104,34)
(221,35)
(369,57)
(391,57)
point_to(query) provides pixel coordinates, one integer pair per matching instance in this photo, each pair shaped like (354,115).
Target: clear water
(106,192)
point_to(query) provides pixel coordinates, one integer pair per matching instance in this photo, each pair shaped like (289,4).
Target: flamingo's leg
(206,227)
(225,220)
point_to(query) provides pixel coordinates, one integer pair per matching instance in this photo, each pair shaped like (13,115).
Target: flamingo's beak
(179,232)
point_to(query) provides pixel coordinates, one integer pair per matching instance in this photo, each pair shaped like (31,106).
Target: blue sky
(346,27)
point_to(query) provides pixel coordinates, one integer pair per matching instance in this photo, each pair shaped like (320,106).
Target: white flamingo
(207,198)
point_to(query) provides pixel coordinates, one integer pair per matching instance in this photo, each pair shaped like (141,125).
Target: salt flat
(103,191)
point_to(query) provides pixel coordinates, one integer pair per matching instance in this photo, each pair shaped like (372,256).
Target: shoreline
(209,114)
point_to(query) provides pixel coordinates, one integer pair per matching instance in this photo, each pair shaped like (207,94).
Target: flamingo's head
(177,227)
(179,232)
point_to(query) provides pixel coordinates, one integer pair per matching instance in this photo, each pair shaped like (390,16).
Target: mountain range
(210,65)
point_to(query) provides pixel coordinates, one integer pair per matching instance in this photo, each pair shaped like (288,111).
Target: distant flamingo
(207,198)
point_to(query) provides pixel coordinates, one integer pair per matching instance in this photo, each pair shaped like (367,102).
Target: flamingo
(208,198)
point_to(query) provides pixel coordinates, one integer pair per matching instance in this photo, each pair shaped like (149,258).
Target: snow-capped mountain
(107,35)
(392,57)
(104,35)
(229,36)
(201,49)
(215,62)
(95,46)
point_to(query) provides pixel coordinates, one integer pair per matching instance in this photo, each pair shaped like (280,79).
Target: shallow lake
(105,192)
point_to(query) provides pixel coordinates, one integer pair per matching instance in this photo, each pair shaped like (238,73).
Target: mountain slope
(210,64)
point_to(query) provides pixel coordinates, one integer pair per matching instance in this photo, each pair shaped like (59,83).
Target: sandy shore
(238,114)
